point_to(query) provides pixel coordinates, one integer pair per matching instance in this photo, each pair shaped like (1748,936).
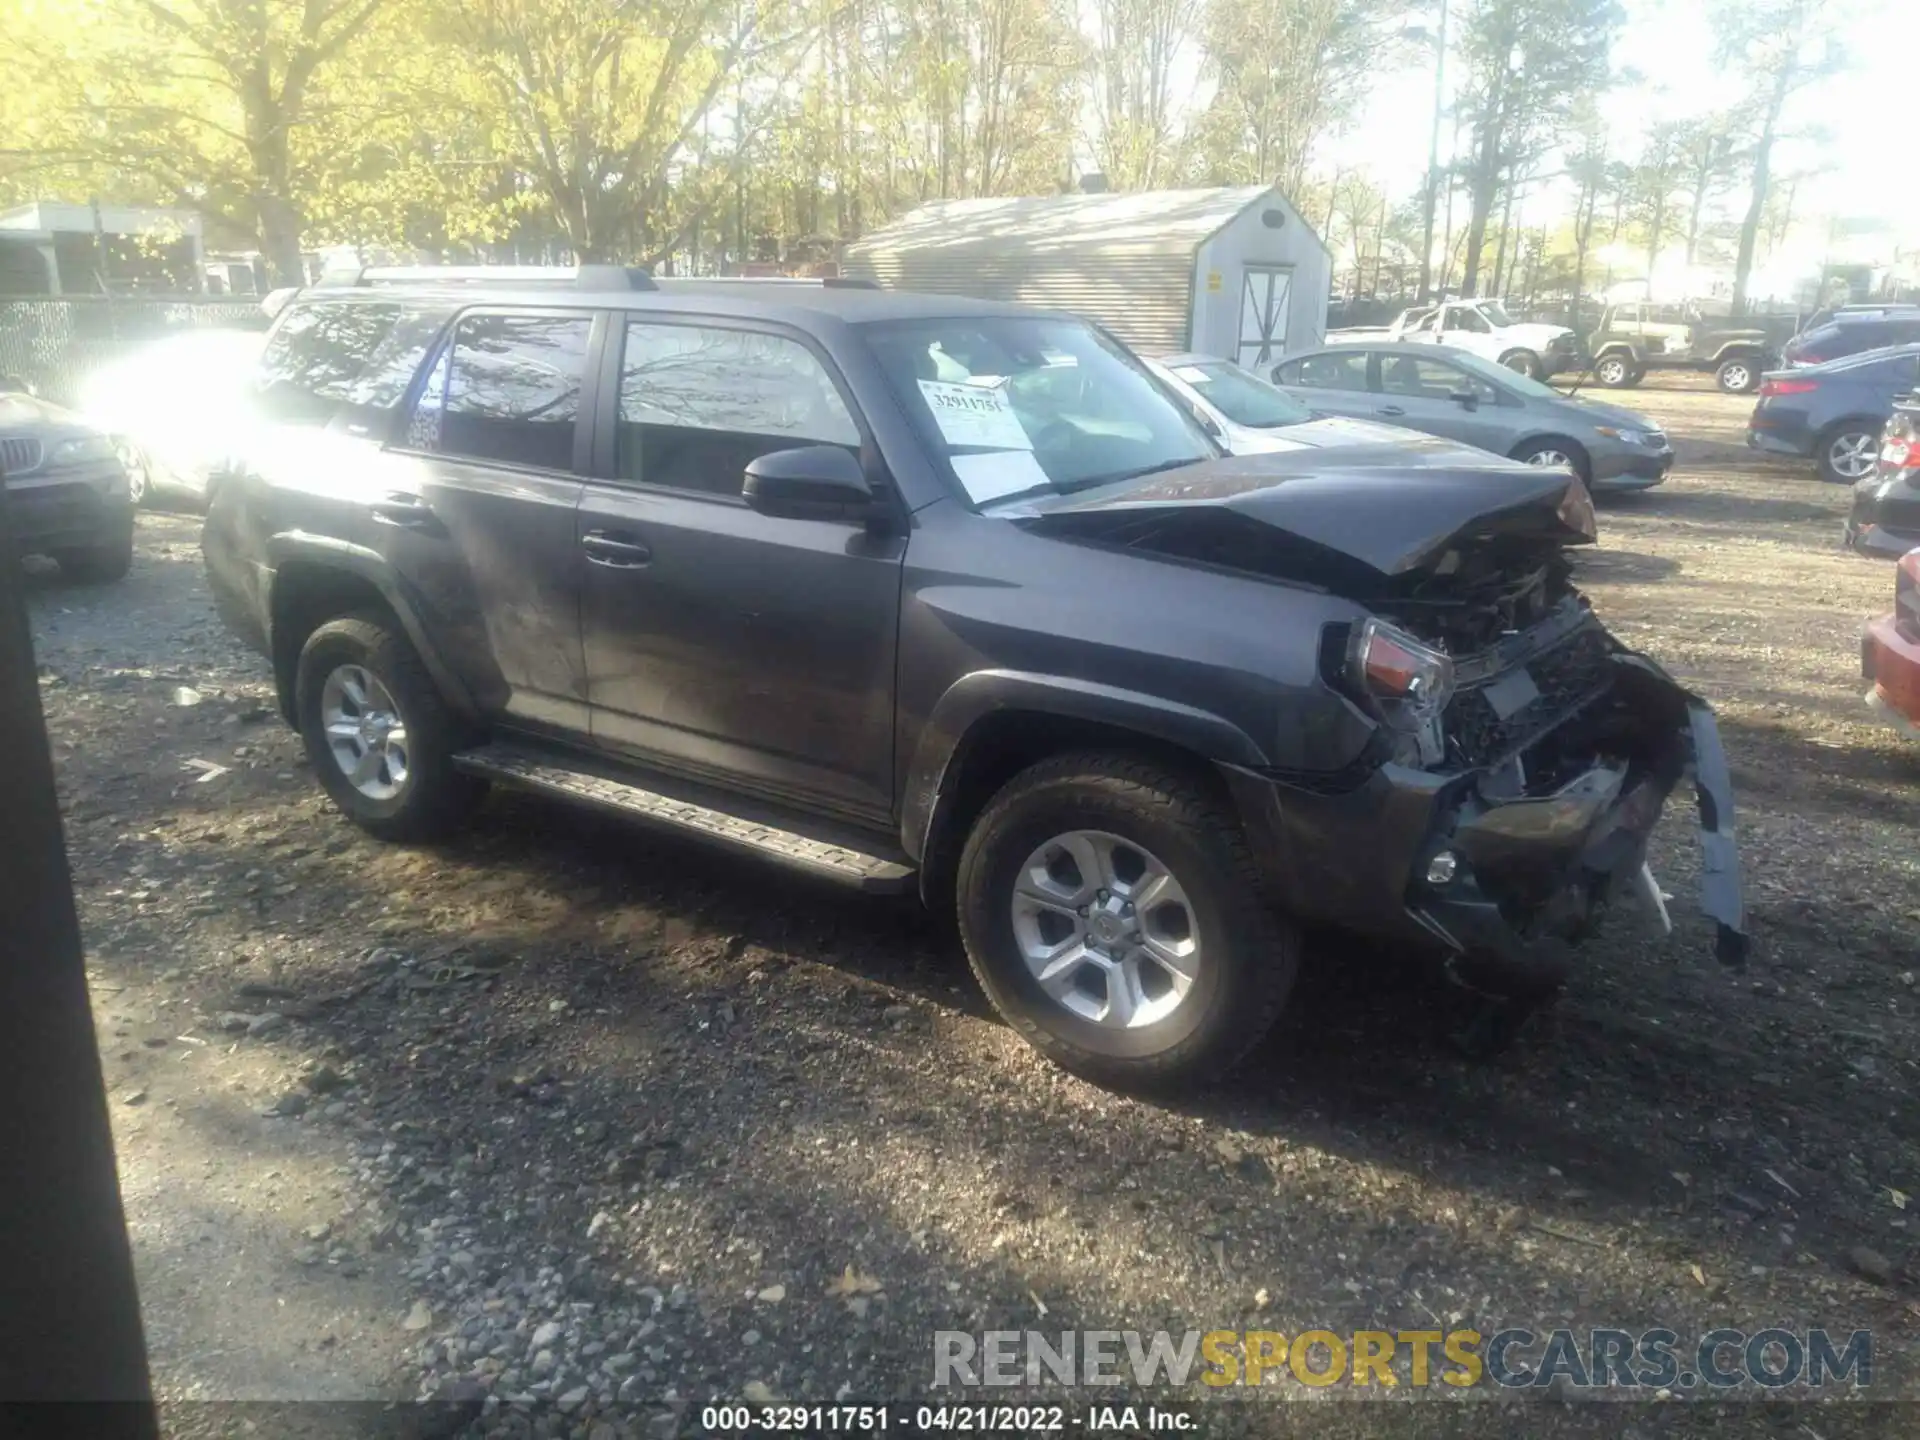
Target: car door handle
(1391,410)
(614,552)
(406,510)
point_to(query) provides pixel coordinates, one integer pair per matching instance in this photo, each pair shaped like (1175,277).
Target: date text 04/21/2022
(946,1419)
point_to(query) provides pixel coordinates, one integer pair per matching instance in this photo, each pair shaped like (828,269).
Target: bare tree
(1285,74)
(1782,46)
(1527,64)
(1708,146)
(1140,42)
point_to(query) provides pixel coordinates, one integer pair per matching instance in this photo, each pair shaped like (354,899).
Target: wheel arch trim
(976,697)
(304,549)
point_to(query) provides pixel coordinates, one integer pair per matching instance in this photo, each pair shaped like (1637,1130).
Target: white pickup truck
(1485,328)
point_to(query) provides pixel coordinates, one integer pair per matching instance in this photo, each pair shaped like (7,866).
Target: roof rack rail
(825,282)
(578,277)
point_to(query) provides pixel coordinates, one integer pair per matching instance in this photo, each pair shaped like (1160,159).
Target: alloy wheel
(1852,456)
(1612,372)
(1735,378)
(1548,459)
(1106,928)
(366,734)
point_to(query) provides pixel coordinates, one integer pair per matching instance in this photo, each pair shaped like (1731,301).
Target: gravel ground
(587,1126)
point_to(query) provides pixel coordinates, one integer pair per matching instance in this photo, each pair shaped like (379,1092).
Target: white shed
(1235,272)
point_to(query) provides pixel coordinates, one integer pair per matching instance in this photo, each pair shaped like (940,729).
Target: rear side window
(507,390)
(356,354)
(698,404)
(1346,370)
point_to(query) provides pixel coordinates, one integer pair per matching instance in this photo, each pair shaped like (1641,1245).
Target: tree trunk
(1485,185)
(1757,201)
(1702,178)
(1500,251)
(1655,233)
(1484,189)
(280,240)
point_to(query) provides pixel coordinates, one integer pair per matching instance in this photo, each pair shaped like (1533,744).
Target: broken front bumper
(1411,855)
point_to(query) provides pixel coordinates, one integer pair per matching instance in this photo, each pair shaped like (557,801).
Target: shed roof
(1173,221)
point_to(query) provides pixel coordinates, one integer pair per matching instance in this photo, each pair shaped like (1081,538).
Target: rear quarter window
(330,356)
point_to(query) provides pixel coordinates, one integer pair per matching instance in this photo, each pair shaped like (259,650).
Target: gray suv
(67,493)
(916,592)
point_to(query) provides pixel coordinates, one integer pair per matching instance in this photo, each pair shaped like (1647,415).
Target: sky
(1864,169)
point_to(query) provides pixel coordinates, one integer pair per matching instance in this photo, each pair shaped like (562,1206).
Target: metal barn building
(1235,272)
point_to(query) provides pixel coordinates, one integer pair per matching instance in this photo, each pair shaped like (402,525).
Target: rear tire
(1616,372)
(1739,375)
(391,773)
(1848,452)
(97,564)
(1240,956)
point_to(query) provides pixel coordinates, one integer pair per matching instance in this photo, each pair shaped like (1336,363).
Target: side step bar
(554,775)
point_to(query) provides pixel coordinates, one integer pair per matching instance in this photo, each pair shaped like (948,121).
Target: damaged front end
(1534,847)
(1557,749)
(1521,757)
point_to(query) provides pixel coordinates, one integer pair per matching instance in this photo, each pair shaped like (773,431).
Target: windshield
(1496,312)
(1241,396)
(1016,405)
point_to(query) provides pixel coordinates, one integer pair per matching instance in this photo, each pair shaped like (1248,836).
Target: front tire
(1112,911)
(1552,451)
(97,564)
(1616,372)
(1523,362)
(1738,376)
(377,733)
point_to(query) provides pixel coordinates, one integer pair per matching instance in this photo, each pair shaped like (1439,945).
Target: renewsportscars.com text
(1655,1360)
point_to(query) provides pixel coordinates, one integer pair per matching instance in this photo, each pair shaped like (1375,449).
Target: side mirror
(1465,399)
(810,482)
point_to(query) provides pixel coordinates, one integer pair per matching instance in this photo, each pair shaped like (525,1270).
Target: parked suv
(921,592)
(1852,331)
(1632,339)
(67,493)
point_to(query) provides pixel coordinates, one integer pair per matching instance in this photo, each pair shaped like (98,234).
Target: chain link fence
(55,344)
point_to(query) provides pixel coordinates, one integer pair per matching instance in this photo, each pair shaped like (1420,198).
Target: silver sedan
(1451,393)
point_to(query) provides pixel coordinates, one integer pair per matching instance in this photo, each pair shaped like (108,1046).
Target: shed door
(1263,315)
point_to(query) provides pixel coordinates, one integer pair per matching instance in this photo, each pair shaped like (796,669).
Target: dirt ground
(575,1114)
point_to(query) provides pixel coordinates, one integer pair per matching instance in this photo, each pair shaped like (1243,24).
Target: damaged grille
(1568,677)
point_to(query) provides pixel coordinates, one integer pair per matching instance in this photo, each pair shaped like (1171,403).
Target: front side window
(507,391)
(1335,370)
(1468,319)
(1431,379)
(1018,404)
(1243,398)
(1496,312)
(698,404)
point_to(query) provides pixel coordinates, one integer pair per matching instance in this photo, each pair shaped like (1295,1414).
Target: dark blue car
(1833,413)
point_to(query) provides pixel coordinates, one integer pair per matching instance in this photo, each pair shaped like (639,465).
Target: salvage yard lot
(663,1101)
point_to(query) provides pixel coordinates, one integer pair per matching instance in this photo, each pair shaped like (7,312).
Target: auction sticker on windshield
(998,475)
(974,415)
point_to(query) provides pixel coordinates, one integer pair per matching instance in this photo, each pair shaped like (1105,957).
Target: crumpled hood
(1394,507)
